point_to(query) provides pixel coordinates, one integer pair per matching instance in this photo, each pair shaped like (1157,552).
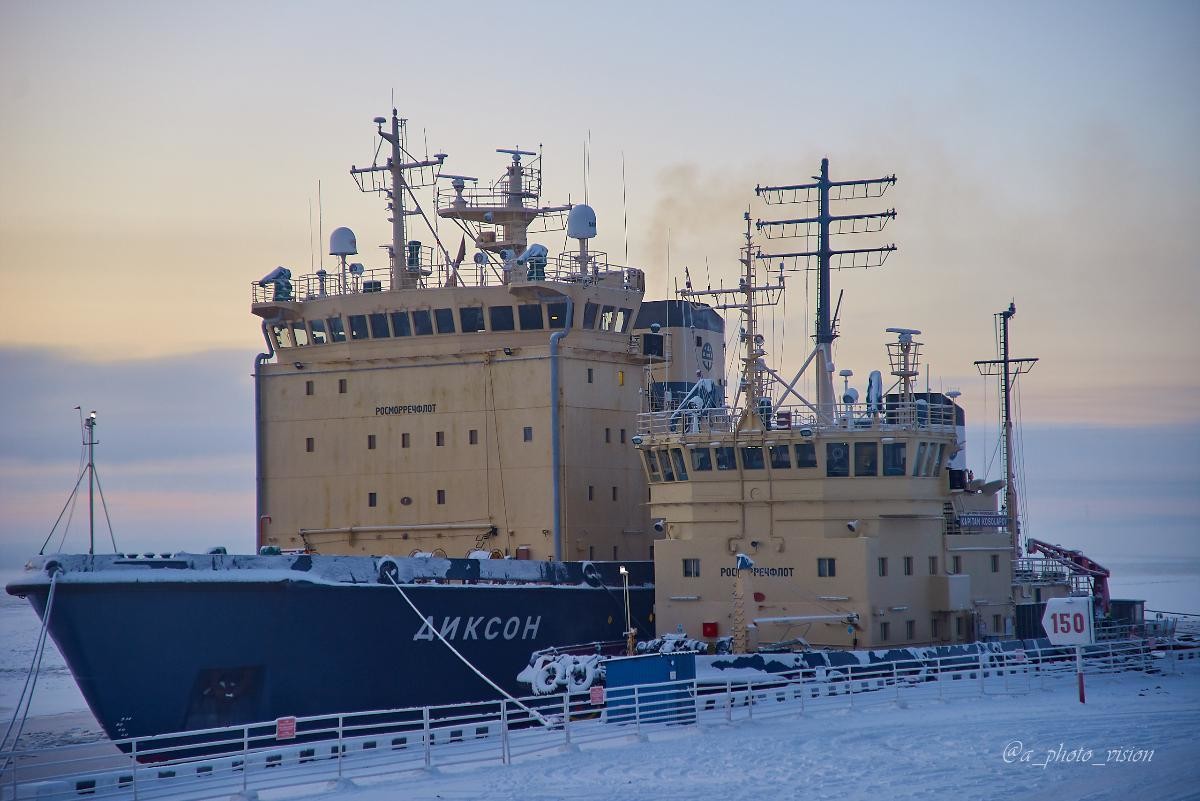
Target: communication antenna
(820,256)
(1007,369)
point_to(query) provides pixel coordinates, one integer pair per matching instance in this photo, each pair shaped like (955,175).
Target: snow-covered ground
(1134,739)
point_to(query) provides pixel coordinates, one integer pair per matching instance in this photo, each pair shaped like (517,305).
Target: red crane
(1078,564)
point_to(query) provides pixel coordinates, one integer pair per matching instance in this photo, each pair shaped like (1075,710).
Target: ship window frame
(337,329)
(401,325)
(866,459)
(501,318)
(608,316)
(444,320)
(591,492)
(806,459)
(691,567)
(937,464)
(282,335)
(556,315)
(701,460)
(473,436)
(371,442)
(680,464)
(773,454)
(995,563)
(358,327)
(607,436)
(910,630)
(405,439)
(651,462)
(920,460)
(892,466)
(590,310)
(310,387)
(826,567)
(997,624)
(441,497)
(883,567)
(725,457)
(885,630)
(310,444)
(745,455)
(933,565)
(614,494)
(378,323)
(527,434)
(908,566)
(439,439)
(471,319)
(298,331)
(317,334)
(835,466)
(422,320)
(956,564)
(525,316)
(624,318)
(664,464)
(372,499)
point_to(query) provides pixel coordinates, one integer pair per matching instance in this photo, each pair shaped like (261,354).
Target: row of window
(439,439)
(670,464)
(827,566)
(425,322)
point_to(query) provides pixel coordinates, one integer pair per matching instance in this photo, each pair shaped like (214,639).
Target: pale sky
(158,157)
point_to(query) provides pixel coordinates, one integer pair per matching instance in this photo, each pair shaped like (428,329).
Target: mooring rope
(540,718)
(31,678)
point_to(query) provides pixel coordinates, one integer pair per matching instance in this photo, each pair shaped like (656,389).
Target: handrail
(219,762)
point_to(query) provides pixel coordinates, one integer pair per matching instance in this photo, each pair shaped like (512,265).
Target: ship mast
(403,276)
(822,226)
(1008,369)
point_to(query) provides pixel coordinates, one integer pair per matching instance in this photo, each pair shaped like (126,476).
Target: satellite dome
(581,222)
(342,243)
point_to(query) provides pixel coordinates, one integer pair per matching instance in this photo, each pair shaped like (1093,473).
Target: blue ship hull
(169,650)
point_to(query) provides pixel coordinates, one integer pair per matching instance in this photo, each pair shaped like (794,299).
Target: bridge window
(422,322)
(558,314)
(680,467)
(379,326)
(826,567)
(837,459)
(300,334)
(608,316)
(725,459)
(624,317)
(589,315)
(866,459)
(445,320)
(691,568)
(281,340)
(664,462)
(531,316)
(318,332)
(920,460)
(358,326)
(651,466)
(400,324)
(937,465)
(781,457)
(894,463)
(752,458)
(702,460)
(806,454)
(337,333)
(471,318)
(501,318)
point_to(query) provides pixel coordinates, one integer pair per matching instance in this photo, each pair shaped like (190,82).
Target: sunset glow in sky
(158,157)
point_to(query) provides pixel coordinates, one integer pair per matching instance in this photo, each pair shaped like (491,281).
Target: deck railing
(246,759)
(899,416)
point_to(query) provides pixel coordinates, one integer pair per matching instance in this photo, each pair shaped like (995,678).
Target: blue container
(653,688)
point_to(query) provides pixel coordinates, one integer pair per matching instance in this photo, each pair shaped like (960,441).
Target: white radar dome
(581,222)
(342,243)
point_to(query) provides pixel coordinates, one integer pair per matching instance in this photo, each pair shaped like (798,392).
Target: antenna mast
(403,277)
(821,227)
(1008,369)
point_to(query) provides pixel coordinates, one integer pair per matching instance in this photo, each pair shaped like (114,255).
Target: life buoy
(581,676)
(546,679)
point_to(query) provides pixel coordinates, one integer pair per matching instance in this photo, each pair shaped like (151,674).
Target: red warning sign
(285,729)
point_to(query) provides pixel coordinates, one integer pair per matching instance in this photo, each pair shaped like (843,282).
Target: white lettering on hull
(495,628)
